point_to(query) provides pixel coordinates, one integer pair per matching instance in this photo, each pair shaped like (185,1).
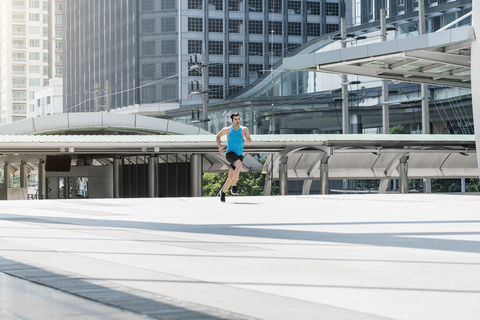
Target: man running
(237,136)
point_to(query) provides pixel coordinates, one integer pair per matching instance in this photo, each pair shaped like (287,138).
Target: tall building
(137,53)
(31,53)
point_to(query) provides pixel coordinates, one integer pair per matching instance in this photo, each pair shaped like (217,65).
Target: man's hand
(221,150)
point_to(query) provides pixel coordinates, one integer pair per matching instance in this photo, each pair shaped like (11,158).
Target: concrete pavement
(412,256)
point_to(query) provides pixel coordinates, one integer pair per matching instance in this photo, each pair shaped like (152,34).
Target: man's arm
(246,136)
(219,142)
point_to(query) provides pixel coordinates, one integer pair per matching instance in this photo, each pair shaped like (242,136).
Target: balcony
(19,20)
(19,60)
(19,86)
(19,46)
(18,8)
(19,33)
(19,73)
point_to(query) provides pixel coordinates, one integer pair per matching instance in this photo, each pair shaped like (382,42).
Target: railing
(19,85)
(19,59)
(19,20)
(19,33)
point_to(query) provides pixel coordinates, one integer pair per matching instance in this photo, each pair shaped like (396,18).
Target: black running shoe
(234,191)
(222,196)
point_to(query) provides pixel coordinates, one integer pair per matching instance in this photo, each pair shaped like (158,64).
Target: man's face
(236,120)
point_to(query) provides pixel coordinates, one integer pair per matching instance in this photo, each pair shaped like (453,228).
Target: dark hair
(233,115)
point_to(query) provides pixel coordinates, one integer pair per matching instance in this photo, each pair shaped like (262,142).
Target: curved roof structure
(94,123)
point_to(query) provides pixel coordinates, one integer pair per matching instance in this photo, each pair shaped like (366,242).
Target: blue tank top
(235,141)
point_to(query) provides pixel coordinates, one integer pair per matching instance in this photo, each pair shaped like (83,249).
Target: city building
(134,57)
(49,99)
(31,53)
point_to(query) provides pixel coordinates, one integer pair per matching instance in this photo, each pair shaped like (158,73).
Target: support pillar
(385,95)
(117,164)
(382,188)
(324,188)
(6,175)
(196,175)
(345,113)
(475,67)
(403,171)
(42,181)
(283,176)
(152,176)
(23,175)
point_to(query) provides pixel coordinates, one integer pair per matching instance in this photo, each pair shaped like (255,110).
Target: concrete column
(385,95)
(6,175)
(152,176)
(427,185)
(403,171)
(382,188)
(23,175)
(324,189)
(283,176)
(475,76)
(345,113)
(196,175)
(42,180)
(117,181)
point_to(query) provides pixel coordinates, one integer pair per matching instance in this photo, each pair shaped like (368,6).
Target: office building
(133,56)
(31,53)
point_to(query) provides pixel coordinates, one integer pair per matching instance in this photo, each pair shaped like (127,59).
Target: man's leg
(229,180)
(236,173)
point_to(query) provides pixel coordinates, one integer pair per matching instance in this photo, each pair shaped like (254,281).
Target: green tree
(399,130)
(249,184)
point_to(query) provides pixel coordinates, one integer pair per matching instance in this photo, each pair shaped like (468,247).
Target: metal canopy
(351,156)
(442,58)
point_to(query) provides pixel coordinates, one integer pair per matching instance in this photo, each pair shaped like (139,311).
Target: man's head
(235,118)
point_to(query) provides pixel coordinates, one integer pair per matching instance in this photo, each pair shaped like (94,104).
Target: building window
(58,6)
(215,25)
(215,47)
(48,100)
(235,26)
(195,24)
(18,83)
(59,71)
(149,94)
(255,48)
(215,4)
(195,4)
(169,92)
(313,8)
(331,9)
(34,43)
(331,27)
(235,70)
(58,57)
(169,24)
(215,92)
(34,17)
(169,69)
(294,7)
(275,6)
(58,32)
(276,26)
(148,5)
(33,30)
(35,4)
(148,25)
(255,70)
(313,29)
(34,69)
(294,28)
(255,27)
(194,46)
(34,55)
(148,70)
(58,19)
(234,89)
(277,49)
(169,4)
(58,45)
(235,5)
(18,108)
(235,48)
(169,47)
(255,5)
(148,47)
(215,70)
(34,82)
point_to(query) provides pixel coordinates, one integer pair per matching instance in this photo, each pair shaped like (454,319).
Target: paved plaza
(389,256)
